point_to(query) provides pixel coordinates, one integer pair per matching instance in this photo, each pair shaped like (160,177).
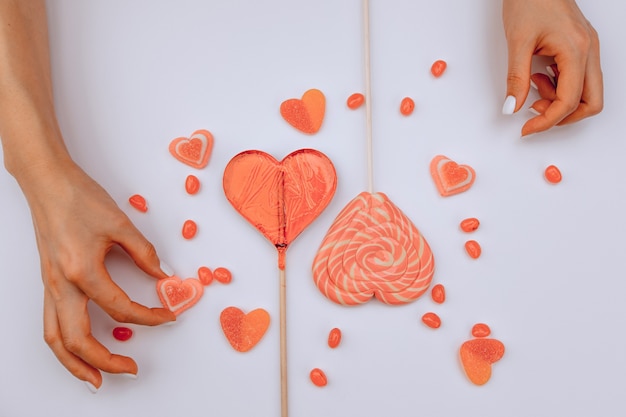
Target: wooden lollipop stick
(368,95)
(283,343)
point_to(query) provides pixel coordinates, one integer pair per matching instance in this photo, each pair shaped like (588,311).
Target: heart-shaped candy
(195,150)
(280,198)
(244,331)
(477,355)
(177,294)
(372,250)
(305,114)
(450,177)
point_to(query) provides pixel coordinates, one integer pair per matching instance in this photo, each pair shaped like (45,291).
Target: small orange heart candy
(244,331)
(195,150)
(477,355)
(450,177)
(306,114)
(177,294)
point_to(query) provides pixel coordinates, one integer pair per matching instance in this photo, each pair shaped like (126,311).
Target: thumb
(144,254)
(518,76)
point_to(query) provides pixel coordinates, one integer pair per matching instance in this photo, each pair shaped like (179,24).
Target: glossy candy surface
(438,294)
(553,174)
(470,224)
(355,101)
(122,333)
(192,184)
(280,198)
(223,275)
(334,338)
(318,377)
(481,330)
(138,202)
(438,68)
(407,105)
(190,228)
(473,249)
(432,320)
(205,275)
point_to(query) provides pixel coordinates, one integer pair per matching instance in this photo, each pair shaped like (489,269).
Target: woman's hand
(76,224)
(558,29)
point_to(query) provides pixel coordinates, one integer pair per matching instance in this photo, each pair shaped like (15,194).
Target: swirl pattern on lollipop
(373,250)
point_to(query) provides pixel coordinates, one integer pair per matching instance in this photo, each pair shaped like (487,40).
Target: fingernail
(533,111)
(509,105)
(533,85)
(170,323)
(91,387)
(167,269)
(551,74)
(129,375)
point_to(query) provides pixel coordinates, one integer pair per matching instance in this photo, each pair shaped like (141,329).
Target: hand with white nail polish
(76,222)
(572,89)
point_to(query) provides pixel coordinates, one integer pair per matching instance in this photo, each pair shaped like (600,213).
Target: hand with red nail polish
(573,88)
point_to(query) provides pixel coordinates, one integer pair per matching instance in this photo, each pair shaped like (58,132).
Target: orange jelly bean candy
(470,224)
(553,175)
(481,330)
(407,106)
(432,320)
(318,377)
(355,101)
(189,229)
(205,275)
(438,294)
(334,338)
(222,275)
(192,184)
(438,68)
(473,249)
(138,202)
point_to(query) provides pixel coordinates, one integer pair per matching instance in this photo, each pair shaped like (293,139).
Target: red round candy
(122,333)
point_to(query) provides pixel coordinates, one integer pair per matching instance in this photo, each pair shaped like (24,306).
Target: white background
(131,76)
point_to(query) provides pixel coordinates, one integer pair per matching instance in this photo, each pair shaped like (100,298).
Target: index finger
(98,286)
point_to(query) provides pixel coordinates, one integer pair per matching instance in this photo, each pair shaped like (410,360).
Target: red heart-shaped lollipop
(280,198)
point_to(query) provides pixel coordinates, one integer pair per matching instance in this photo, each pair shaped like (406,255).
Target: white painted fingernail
(550,71)
(509,105)
(170,323)
(167,269)
(533,85)
(91,387)
(533,111)
(130,376)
